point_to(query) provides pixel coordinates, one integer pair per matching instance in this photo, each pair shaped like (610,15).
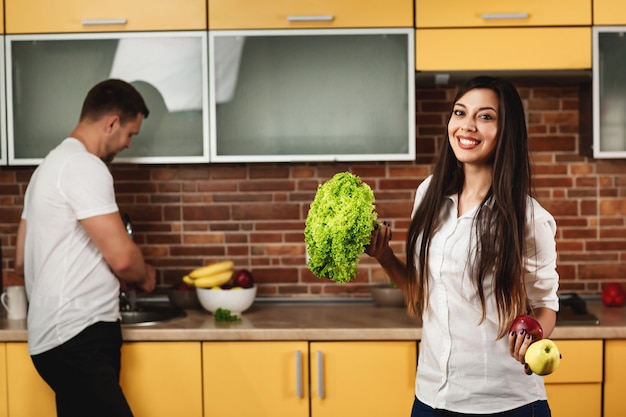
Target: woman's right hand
(379,244)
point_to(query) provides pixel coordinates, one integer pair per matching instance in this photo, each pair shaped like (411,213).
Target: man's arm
(19,248)
(108,233)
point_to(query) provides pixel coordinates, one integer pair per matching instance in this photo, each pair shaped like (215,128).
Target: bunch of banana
(212,275)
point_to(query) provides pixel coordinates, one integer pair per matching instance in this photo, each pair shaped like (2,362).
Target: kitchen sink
(143,315)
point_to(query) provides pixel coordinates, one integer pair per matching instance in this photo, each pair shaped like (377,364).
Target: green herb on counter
(222,314)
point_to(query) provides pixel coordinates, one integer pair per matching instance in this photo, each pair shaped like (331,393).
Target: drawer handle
(321,18)
(96,22)
(299,373)
(504,16)
(320,374)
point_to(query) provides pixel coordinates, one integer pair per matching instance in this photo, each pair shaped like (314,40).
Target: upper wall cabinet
(50,16)
(609,92)
(48,77)
(490,13)
(295,14)
(609,12)
(477,49)
(3,142)
(502,35)
(312,95)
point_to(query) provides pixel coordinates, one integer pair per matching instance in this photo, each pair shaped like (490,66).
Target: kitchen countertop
(323,321)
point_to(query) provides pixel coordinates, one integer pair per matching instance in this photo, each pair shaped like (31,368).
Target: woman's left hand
(518,344)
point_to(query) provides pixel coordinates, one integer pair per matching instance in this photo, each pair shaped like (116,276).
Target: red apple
(529,324)
(613,295)
(181,286)
(243,278)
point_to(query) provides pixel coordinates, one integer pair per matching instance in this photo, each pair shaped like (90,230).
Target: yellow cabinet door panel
(163,378)
(615,378)
(609,12)
(502,49)
(572,400)
(28,394)
(4,410)
(48,16)
(487,13)
(574,353)
(367,379)
(258,379)
(280,14)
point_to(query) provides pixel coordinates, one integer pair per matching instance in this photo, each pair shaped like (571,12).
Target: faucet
(128,298)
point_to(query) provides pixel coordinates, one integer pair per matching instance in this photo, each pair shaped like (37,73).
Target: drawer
(502,49)
(280,14)
(581,363)
(45,16)
(609,12)
(588,399)
(487,13)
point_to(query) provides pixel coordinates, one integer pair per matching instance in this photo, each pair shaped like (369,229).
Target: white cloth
(68,283)
(172,65)
(462,367)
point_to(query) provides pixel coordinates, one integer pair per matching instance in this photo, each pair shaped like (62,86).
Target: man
(74,253)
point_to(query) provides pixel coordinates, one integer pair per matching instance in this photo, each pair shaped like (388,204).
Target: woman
(480,252)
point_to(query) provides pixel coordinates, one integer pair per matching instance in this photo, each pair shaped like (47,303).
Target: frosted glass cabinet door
(48,77)
(609,92)
(312,95)
(3,130)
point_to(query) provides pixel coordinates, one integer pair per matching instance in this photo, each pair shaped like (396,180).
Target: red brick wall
(185,216)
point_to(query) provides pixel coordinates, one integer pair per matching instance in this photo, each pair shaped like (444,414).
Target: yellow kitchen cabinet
(609,12)
(4,410)
(614,378)
(280,14)
(579,377)
(503,49)
(28,395)
(162,378)
(363,378)
(1,17)
(271,378)
(158,378)
(255,379)
(50,16)
(489,13)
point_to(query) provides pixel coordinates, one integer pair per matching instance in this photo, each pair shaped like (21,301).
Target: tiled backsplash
(185,216)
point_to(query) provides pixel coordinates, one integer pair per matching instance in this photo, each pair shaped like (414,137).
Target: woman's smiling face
(473,127)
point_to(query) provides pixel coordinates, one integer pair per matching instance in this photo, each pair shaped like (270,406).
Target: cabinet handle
(321,18)
(96,22)
(299,373)
(320,374)
(504,16)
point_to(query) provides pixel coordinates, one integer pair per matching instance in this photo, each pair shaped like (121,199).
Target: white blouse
(461,365)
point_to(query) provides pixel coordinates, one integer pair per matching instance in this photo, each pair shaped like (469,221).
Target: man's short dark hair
(113,96)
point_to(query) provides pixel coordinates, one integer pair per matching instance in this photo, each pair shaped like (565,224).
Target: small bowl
(185,299)
(235,300)
(386,296)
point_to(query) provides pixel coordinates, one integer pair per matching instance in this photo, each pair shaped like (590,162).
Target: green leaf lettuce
(338,227)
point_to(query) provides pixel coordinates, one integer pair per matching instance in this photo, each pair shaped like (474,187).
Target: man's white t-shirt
(68,283)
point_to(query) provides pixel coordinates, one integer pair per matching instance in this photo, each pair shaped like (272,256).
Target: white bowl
(235,300)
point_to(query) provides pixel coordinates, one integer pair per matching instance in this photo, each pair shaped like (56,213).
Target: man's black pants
(84,373)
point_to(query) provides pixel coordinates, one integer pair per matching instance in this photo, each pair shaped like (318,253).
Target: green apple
(543,357)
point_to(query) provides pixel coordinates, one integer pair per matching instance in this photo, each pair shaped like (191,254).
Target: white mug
(14,300)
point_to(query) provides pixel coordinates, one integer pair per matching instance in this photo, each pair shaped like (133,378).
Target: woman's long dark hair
(501,217)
